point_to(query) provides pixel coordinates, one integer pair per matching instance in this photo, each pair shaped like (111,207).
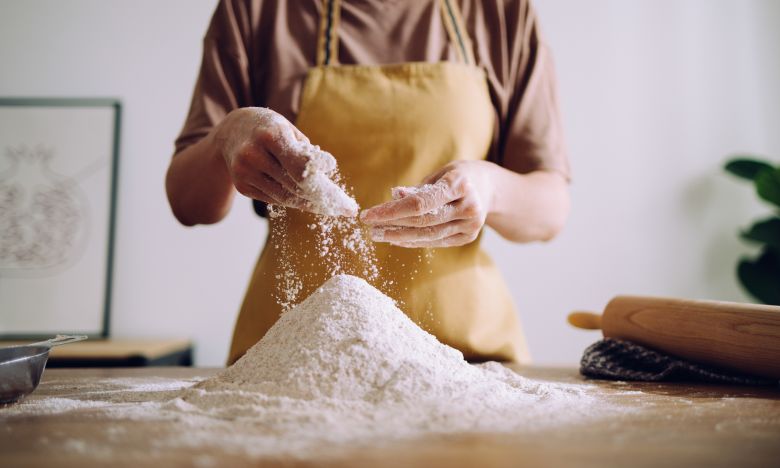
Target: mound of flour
(349,341)
(344,368)
(347,357)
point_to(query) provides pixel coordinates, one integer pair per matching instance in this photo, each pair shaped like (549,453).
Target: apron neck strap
(328,39)
(456,30)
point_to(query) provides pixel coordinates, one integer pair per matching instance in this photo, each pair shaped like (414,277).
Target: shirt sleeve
(532,135)
(223,82)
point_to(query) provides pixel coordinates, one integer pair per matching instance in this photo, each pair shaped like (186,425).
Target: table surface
(674,425)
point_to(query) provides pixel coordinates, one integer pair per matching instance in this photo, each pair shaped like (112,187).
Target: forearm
(199,187)
(527,207)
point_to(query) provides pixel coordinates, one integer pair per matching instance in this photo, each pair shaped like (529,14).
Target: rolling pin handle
(585,320)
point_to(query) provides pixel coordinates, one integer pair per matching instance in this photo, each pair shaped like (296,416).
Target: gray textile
(623,360)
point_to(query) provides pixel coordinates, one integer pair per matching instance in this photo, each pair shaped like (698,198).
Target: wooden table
(678,425)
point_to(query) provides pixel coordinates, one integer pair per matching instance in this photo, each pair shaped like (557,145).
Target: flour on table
(345,366)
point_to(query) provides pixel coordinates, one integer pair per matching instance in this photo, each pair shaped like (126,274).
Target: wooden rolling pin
(740,337)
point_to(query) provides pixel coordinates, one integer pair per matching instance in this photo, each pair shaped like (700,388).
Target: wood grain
(670,426)
(742,337)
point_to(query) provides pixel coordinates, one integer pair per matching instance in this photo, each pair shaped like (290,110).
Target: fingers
(412,203)
(304,169)
(399,235)
(279,193)
(437,175)
(293,151)
(271,160)
(270,165)
(446,211)
(419,201)
(251,129)
(256,166)
(441,215)
(281,145)
(261,186)
(256,193)
(456,240)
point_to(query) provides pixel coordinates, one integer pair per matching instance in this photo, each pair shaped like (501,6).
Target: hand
(447,210)
(268,159)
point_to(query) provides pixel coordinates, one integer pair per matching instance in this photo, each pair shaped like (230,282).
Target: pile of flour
(345,366)
(348,341)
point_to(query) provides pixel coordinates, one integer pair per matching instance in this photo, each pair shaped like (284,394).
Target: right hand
(267,157)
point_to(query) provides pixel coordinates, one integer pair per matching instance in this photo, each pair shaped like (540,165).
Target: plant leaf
(768,185)
(766,231)
(761,277)
(746,168)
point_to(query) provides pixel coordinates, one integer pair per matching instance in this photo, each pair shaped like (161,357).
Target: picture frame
(59,167)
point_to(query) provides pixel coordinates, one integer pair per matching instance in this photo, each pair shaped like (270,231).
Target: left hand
(447,210)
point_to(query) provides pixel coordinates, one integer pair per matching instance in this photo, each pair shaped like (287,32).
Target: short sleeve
(223,82)
(532,131)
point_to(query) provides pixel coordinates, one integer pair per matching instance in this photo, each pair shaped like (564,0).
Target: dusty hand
(268,159)
(448,210)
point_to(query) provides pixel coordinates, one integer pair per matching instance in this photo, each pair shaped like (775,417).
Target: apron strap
(328,39)
(459,36)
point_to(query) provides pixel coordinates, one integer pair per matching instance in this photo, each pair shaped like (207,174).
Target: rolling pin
(736,336)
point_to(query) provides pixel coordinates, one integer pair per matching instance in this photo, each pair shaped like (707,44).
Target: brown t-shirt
(257,53)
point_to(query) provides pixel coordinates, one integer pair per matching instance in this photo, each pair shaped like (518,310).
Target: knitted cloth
(623,360)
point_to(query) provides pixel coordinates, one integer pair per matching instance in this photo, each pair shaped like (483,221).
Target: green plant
(760,276)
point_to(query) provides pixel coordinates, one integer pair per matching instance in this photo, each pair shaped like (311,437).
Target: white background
(655,96)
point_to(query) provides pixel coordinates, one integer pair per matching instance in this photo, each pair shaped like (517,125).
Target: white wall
(655,95)
(169,280)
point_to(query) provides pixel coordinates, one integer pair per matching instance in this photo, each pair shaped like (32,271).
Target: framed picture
(58,185)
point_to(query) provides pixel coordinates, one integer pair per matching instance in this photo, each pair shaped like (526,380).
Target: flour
(320,184)
(349,346)
(345,366)
(342,247)
(438,191)
(325,196)
(348,341)
(342,242)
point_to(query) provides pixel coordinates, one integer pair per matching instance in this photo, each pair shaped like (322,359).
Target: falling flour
(345,366)
(342,241)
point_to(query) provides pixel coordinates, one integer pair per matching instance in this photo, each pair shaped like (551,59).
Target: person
(458,94)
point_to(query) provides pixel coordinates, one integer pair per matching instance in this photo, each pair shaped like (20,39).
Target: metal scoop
(21,367)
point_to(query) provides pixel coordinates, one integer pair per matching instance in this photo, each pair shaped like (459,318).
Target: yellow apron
(388,126)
